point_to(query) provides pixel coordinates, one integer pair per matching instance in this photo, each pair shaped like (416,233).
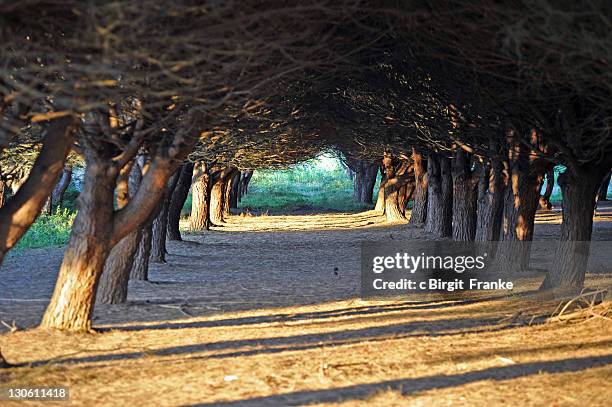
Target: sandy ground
(266,311)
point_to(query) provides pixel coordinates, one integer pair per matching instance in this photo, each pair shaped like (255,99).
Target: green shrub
(49,230)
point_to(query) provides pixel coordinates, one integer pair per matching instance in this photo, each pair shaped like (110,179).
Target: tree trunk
(227,190)
(380,199)
(140,267)
(550,184)
(464,197)
(199,219)
(418,215)
(364,181)
(397,176)
(602,194)
(439,196)
(22,209)
(72,302)
(160,223)
(218,195)
(244,182)
(2,193)
(234,191)
(490,198)
(181,192)
(579,187)
(525,174)
(113,287)
(57,197)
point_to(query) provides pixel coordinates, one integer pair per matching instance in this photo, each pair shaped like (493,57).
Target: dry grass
(494,350)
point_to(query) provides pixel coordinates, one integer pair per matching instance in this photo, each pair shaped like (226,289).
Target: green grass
(49,230)
(318,185)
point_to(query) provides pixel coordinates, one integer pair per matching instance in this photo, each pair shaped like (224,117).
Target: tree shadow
(414,385)
(247,347)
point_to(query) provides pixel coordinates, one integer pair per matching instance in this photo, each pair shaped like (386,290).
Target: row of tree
(465,107)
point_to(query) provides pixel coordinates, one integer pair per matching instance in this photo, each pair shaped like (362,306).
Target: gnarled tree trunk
(364,181)
(140,266)
(439,196)
(490,197)
(465,181)
(160,223)
(397,176)
(418,215)
(525,174)
(579,186)
(380,198)
(245,179)
(113,287)
(181,192)
(72,302)
(218,195)
(199,219)
(57,197)
(234,191)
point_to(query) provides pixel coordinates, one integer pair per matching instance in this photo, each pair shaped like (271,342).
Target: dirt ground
(266,311)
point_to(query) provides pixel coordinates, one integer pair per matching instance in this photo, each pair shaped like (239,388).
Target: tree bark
(234,191)
(181,192)
(72,302)
(140,267)
(397,177)
(439,196)
(113,287)
(418,215)
(200,198)
(364,181)
(490,198)
(245,179)
(602,194)
(465,181)
(550,184)
(579,186)
(21,210)
(160,223)
(218,195)
(57,197)
(525,174)
(380,198)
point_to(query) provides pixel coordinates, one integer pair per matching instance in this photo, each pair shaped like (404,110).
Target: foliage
(49,230)
(321,184)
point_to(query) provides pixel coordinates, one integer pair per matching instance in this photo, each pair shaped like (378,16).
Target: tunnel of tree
(460,135)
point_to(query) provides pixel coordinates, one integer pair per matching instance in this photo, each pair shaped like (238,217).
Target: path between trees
(265,310)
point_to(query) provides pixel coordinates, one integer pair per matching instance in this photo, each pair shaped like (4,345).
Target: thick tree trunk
(72,302)
(525,175)
(160,223)
(364,181)
(602,194)
(418,215)
(218,195)
(235,191)
(464,197)
(245,179)
(57,197)
(439,196)
(22,209)
(199,219)
(490,198)
(579,187)
(113,287)
(140,266)
(181,192)
(227,190)
(550,184)
(397,176)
